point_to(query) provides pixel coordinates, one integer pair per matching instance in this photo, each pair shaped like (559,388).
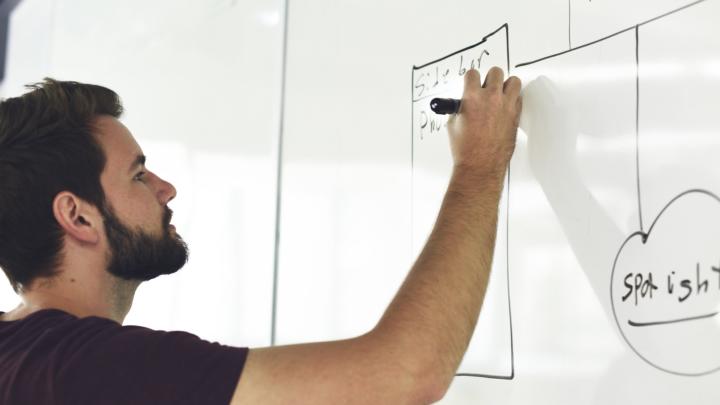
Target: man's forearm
(412,354)
(433,315)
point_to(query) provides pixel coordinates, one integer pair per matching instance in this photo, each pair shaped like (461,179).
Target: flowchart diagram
(641,215)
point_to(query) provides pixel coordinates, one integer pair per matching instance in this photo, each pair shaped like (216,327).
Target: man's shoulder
(71,354)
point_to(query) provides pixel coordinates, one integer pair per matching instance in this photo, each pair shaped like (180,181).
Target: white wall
(201,85)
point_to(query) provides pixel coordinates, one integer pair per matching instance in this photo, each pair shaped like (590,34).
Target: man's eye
(140,176)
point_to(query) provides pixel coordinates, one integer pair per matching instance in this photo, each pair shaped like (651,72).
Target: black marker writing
(484,52)
(432,122)
(704,284)
(462,70)
(642,286)
(420,86)
(670,285)
(688,290)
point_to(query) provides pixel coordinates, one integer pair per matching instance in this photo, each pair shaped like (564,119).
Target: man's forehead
(119,145)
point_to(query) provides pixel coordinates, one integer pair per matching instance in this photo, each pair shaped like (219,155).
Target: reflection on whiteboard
(664,279)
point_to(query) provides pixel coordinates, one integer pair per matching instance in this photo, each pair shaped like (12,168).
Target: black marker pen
(445,105)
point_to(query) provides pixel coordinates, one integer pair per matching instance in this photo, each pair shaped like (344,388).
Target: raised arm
(411,356)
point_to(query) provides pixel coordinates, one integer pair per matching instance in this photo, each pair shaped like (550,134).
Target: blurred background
(200,81)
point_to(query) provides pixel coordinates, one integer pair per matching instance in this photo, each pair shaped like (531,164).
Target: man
(83,222)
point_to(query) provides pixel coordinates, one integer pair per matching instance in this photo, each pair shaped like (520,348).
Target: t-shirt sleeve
(112,364)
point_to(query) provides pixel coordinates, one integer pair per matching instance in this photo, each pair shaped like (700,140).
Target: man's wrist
(469,179)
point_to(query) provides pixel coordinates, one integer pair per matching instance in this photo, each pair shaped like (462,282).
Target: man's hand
(482,135)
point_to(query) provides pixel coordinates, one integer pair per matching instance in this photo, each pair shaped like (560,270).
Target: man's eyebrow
(139,160)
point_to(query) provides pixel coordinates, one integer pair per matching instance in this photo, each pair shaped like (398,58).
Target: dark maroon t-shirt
(52,357)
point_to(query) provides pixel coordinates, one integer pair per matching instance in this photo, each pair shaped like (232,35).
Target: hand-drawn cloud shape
(665,287)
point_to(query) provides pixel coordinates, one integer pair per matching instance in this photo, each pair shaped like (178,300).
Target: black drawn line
(637,121)
(507,231)
(696,190)
(671,12)
(612,35)
(644,237)
(412,158)
(576,48)
(691,318)
(507,275)
(507,46)
(496,377)
(504,26)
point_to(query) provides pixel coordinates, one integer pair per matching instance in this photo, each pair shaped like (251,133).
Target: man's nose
(166,191)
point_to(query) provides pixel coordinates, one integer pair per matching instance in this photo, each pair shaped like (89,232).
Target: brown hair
(47,146)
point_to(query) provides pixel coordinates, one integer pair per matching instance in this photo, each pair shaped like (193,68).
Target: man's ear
(80,219)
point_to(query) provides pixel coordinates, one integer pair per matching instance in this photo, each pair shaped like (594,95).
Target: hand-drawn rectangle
(490,353)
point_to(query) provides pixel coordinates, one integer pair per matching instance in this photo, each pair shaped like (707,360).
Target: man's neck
(109,299)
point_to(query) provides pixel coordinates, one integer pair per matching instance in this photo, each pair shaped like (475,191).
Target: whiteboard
(613,186)
(612,180)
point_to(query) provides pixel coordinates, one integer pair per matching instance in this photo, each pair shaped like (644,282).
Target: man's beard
(137,255)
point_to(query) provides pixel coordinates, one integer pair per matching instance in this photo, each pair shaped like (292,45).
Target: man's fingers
(494,78)
(518,109)
(512,86)
(472,80)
